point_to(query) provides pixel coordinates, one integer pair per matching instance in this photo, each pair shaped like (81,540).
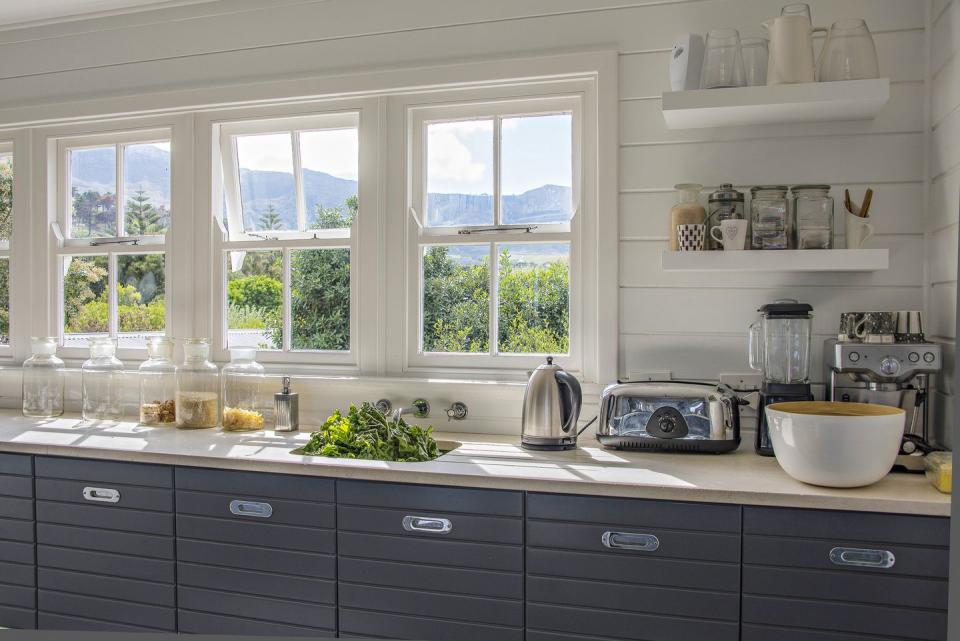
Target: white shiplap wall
(944,203)
(692,325)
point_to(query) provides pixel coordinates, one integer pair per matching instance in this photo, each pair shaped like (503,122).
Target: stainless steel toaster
(670,415)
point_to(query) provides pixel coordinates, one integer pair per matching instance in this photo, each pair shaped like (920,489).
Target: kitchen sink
(445,448)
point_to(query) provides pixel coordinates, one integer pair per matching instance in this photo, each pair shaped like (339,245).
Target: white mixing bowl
(835,444)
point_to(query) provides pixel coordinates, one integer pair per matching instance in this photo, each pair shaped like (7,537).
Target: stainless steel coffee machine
(883,357)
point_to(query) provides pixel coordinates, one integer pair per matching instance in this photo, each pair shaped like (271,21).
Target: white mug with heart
(732,234)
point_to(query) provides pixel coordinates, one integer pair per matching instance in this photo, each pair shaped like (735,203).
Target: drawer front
(417,603)
(16,552)
(257,534)
(859,526)
(752,632)
(17,464)
(51,621)
(17,618)
(109,610)
(277,486)
(393,626)
(18,596)
(20,486)
(108,518)
(131,567)
(253,508)
(482,556)
(16,508)
(254,559)
(104,471)
(413,576)
(431,524)
(257,607)
(279,586)
(206,623)
(624,625)
(108,587)
(107,495)
(430,498)
(11,530)
(108,541)
(18,574)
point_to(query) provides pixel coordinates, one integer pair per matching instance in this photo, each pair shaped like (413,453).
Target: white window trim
(6,351)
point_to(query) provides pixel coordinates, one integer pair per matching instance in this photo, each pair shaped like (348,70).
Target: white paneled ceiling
(13,12)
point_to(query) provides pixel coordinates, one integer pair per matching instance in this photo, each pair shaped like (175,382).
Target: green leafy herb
(365,433)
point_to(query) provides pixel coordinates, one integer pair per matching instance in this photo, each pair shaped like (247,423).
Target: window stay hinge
(495,230)
(118,241)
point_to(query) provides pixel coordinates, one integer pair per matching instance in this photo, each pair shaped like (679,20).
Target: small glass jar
(724,204)
(158,384)
(813,213)
(242,385)
(102,382)
(43,378)
(770,222)
(198,387)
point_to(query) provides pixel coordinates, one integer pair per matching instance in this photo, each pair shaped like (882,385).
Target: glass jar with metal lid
(158,383)
(43,380)
(724,204)
(243,402)
(771,226)
(813,213)
(198,387)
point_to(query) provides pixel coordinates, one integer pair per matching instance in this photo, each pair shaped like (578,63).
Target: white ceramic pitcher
(791,49)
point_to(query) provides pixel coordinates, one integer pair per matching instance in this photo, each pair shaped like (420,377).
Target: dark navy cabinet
(813,575)
(18,594)
(432,563)
(256,553)
(105,545)
(631,569)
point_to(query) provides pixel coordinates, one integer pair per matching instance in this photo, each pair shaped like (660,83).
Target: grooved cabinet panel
(813,574)
(432,563)
(18,598)
(256,553)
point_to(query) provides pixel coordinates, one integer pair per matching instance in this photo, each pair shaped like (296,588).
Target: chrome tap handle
(384,406)
(457,411)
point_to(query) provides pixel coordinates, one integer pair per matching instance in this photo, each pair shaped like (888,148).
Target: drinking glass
(848,53)
(755,57)
(722,60)
(797,9)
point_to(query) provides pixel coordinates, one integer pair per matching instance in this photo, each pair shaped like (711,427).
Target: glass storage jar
(243,378)
(198,387)
(101,378)
(43,378)
(158,384)
(770,222)
(723,204)
(813,216)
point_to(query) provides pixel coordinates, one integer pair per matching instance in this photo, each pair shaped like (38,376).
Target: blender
(780,350)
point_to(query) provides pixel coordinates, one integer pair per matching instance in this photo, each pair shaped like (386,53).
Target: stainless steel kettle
(551,408)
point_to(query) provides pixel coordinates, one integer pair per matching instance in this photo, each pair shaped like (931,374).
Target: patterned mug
(690,237)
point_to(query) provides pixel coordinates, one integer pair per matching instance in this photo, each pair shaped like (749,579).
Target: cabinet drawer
(206,623)
(471,582)
(256,509)
(410,523)
(633,540)
(16,508)
(17,596)
(259,559)
(430,498)
(278,486)
(484,556)
(362,623)
(107,495)
(19,464)
(257,534)
(751,632)
(108,541)
(18,573)
(12,530)
(257,607)
(858,526)
(111,610)
(623,625)
(21,486)
(16,552)
(51,621)
(107,564)
(18,618)
(634,512)
(105,518)
(265,584)
(417,603)
(107,587)
(104,471)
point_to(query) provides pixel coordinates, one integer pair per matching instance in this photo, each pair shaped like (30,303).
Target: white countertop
(490,461)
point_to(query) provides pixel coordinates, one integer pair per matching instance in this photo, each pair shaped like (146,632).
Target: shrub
(262,292)
(245,317)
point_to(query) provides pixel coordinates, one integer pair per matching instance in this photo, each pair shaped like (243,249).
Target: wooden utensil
(865,207)
(847,202)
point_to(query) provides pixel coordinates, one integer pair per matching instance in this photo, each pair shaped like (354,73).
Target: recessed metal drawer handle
(101,494)
(862,558)
(251,508)
(427,524)
(630,541)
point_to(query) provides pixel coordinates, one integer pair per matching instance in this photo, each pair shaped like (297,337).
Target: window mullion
(121,219)
(113,322)
(494,322)
(496,171)
(298,182)
(287,320)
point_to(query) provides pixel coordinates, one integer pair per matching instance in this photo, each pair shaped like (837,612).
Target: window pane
(534,298)
(255,299)
(536,169)
(6,196)
(460,173)
(141,306)
(93,189)
(267,191)
(320,299)
(330,160)
(456,298)
(146,188)
(4,301)
(86,307)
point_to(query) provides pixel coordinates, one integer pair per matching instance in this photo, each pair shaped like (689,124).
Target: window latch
(116,241)
(495,230)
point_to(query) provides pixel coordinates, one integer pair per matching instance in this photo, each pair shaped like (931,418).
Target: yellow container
(939,469)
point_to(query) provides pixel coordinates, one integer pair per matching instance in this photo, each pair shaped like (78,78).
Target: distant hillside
(550,202)
(145,168)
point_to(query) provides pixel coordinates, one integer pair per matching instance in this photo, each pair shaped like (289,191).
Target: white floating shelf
(786,260)
(777,104)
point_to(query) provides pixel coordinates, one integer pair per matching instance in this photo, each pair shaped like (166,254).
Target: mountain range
(147,168)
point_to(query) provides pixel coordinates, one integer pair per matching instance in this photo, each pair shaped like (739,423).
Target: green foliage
(245,317)
(259,291)
(270,220)
(142,218)
(534,307)
(366,433)
(456,304)
(6,199)
(320,299)
(85,282)
(94,214)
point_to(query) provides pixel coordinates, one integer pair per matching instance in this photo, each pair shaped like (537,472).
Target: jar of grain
(198,387)
(687,211)
(243,405)
(158,384)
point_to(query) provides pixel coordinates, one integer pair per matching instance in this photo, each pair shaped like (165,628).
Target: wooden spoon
(865,207)
(848,203)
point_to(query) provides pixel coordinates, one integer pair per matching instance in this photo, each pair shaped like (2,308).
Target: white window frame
(360,239)
(7,149)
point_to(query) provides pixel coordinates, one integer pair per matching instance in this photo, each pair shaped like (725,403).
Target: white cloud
(451,164)
(332,151)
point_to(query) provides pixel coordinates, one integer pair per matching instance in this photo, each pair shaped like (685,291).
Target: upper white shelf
(785,260)
(777,104)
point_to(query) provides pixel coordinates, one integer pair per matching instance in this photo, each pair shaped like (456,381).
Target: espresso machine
(780,350)
(883,357)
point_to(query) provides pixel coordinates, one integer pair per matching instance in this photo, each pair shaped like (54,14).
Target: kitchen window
(114,214)
(6,231)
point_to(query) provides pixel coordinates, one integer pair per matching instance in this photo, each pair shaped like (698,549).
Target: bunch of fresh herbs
(365,433)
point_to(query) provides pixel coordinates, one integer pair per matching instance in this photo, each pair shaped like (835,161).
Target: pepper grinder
(286,408)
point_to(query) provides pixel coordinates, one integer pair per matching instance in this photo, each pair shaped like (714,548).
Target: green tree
(259,291)
(6,198)
(270,220)
(94,214)
(142,217)
(85,282)
(456,303)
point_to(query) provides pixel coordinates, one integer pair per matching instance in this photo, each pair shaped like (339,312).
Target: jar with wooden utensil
(687,211)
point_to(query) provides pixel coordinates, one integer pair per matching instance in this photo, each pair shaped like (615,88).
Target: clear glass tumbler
(722,60)
(43,378)
(756,57)
(848,53)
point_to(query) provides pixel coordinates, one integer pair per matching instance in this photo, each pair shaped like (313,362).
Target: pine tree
(141,216)
(270,220)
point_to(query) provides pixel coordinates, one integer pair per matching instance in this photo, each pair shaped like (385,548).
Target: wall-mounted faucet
(457,411)
(420,408)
